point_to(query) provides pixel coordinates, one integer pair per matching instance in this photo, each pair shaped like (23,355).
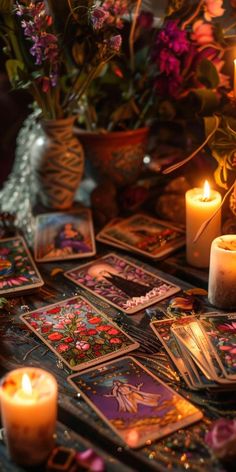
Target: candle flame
(206,190)
(26,384)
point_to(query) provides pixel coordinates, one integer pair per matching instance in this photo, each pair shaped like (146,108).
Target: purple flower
(90,460)
(173,38)
(44,49)
(99,16)
(222,438)
(115,42)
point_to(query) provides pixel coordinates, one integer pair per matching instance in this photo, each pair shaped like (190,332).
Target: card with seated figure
(64,235)
(135,403)
(18,272)
(79,334)
(145,235)
(121,283)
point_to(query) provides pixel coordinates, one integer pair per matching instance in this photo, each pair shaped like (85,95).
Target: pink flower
(63,347)
(82,346)
(115,341)
(213,9)
(59,326)
(202,33)
(222,438)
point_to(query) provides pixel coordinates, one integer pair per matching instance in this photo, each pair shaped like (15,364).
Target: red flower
(54,310)
(113,331)
(55,336)
(230,327)
(45,329)
(33,324)
(62,347)
(103,328)
(95,320)
(91,332)
(115,341)
(69,339)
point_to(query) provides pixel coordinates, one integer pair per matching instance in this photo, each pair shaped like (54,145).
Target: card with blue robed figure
(136,404)
(64,235)
(18,272)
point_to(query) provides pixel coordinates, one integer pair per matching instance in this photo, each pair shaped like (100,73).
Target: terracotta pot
(117,155)
(58,159)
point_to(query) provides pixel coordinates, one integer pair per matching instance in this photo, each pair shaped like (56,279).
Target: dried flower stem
(132,33)
(206,222)
(184,161)
(194,15)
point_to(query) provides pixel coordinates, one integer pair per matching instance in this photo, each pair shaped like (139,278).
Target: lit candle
(222,274)
(29,410)
(234,78)
(200,205)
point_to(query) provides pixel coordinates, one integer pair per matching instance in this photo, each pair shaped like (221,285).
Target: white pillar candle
(222,275)
(200,205)
(29,410)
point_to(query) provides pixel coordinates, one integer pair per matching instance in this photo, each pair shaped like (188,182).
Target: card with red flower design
(79,334)
(18,272)
(145,235)
(121,283)
(135,404)
(220,329)
(64,235)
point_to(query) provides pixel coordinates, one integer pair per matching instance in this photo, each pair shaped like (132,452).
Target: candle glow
(29,410)
(26,385)
(206,191)
(201,204)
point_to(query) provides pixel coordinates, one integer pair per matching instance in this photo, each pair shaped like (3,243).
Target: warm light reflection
(206,190)
(26,384)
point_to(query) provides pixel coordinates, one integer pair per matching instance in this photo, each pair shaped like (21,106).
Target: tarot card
(137,405)
(123,284)
(18,272)
(78,333)
(184,364)
(103,239)
(194,340)
(145,235)
(64,235)
(221,331)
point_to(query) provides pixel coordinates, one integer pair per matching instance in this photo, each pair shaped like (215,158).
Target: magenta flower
(169,63)
(173,38)
(82,346)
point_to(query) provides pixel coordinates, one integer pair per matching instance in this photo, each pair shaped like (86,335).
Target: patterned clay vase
(58,159)
(116,155)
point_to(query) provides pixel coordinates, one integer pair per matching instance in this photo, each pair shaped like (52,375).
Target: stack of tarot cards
(143,235)
(203,349)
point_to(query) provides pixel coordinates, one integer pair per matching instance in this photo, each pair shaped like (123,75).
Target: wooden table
(78,425)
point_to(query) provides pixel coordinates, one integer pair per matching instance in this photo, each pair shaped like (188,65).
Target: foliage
(54,49)
(167,72)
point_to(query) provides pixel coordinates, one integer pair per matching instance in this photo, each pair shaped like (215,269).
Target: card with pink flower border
(18,272)
(79,334)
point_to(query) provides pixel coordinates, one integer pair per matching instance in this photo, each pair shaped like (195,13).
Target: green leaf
(207,74)
(207,100)
(13,67)
(72,362)
(3,301)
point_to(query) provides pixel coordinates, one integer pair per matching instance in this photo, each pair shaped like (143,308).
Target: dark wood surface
(184,450)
